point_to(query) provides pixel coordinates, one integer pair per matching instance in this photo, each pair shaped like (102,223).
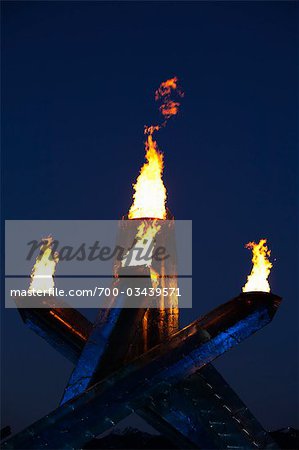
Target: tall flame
(149,199)
(258,278)
(150,192)
(44,268)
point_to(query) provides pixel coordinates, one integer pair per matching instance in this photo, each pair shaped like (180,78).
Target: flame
(146,233)
(150,192)
(169,107)
(258,278)
(44,267)
(154,278)
(147,230)
(149,199)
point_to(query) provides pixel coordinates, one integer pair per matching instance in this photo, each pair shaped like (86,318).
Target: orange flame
(44,268)
(149,199)
(169,107)
(258,278)
(146,233)
(150,192)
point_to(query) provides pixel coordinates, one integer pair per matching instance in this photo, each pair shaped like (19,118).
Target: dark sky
(78,81)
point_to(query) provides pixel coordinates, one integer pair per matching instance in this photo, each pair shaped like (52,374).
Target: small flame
(149,199)
(44,268)
(147,230)
(145,236)
(169,107)
(258,278)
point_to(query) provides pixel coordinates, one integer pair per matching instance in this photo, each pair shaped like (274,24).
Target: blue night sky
(78,82)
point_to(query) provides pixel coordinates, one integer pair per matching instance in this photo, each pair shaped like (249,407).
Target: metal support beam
(112,336)
(109,401)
